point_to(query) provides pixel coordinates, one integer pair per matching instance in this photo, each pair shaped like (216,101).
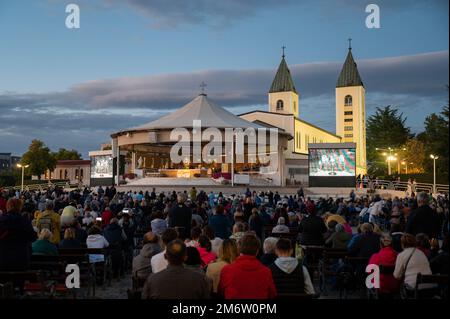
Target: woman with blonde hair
(69,241)
(43,246)
(228,252)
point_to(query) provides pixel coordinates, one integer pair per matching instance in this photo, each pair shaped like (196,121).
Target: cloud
(90,111)
(218,14)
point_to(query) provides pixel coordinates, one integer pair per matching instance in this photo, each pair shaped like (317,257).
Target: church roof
(349,74)
(200,108)
(283,79)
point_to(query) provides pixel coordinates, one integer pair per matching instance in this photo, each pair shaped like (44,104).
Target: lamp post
(390,157)
(434,158)
(23,173)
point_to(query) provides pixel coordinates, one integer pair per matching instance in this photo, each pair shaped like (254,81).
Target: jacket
(176,282)
(141,263)
(114,234)
(312,229)
(290,276)
(386,257)
(221,226)
(423,220)
(206,256)
(246,278)
(16,236)
(181,216)
(52,221)
(44,247)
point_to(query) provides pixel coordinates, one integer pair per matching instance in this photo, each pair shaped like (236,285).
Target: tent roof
(200,108)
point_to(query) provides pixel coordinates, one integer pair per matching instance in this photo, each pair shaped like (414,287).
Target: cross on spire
(283,47)
(349,43)
(203,86)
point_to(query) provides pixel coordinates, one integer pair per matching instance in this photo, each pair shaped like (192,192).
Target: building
(351,110)
(8,161)
(149,148)
(284,112)
(75,171)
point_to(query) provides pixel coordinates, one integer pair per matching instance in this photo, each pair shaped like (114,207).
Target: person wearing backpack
(51,221)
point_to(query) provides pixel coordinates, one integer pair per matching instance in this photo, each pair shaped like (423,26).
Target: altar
(184,173)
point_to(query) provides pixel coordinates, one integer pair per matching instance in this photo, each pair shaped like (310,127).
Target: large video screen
(332,162)
(102,166)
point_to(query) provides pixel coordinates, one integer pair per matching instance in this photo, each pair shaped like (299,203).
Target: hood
(287,264)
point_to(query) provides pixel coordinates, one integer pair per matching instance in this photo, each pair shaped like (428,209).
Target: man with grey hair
(180,217)
(423,219)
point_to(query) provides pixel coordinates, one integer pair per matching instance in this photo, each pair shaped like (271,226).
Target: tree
(414,155)
(435,137)
(64,154)
(39,158)
(386,128)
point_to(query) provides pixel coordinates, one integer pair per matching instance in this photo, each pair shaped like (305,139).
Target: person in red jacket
(386,257)
(106,217)
(247,277)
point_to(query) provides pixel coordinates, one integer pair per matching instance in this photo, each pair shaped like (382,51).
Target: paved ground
(117,290)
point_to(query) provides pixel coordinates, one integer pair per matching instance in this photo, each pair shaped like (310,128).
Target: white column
(133,162)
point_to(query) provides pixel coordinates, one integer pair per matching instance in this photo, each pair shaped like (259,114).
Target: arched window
(348,100)
(65,174)
(280,105)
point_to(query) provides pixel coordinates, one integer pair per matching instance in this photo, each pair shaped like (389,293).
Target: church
(143,155)
(284,112)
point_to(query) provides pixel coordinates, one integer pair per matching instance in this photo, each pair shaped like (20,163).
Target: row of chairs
(46,276)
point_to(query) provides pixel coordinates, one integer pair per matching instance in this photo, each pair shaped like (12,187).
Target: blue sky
(48,71)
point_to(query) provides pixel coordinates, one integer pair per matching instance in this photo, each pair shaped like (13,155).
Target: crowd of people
(194,244)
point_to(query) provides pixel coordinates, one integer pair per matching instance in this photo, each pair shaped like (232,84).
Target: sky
(132,61)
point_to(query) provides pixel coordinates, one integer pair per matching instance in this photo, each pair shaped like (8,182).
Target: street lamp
(23,172)
(434,158)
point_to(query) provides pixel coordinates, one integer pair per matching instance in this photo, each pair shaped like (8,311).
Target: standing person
(68,215)
(16,236)
(50,220)
(256,223)
(176,282)
(311,229)
(180,217)
(423,219)
(220,223)
(246,277)
(106,216)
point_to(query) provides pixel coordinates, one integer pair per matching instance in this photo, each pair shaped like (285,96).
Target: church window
(348,100)
(295,106)
(280,105)
(348,120)
(348,135)
(348,113)
(348,128)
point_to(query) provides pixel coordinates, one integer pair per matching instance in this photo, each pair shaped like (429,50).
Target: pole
(232,161)
(389,166)
(406,168)
(434,175)
(23,172)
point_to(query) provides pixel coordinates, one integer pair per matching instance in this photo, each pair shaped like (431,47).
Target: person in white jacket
(96,240)
(410,262)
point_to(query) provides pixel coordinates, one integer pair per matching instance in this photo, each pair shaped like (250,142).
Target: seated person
(69,241)
(339,239)
(43,246)
(269,255)
(142,263)
(289,275)
(281,227)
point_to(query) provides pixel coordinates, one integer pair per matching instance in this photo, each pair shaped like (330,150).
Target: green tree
(414,155)
(39,158)
(386,128)
(64,154)
(435,137)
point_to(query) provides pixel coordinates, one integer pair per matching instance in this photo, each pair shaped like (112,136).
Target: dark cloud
(89,112)
(216,13)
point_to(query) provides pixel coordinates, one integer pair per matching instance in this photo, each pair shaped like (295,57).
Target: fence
(403,186)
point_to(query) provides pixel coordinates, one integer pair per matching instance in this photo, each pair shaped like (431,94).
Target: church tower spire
(283,96)
(351,109)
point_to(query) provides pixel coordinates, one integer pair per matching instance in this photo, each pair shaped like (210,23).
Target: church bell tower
(351,110)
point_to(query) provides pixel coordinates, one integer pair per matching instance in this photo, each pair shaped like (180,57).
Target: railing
(403,186)
(43,186)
